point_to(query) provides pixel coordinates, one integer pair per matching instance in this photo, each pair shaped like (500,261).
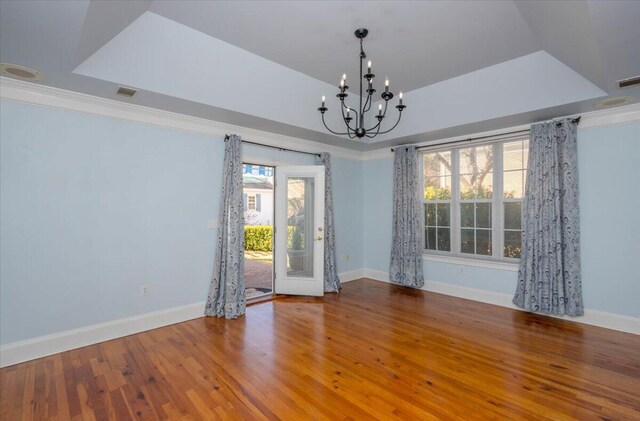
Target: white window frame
(497,204)
(255,201)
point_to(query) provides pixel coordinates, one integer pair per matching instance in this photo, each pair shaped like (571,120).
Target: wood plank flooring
(375,351)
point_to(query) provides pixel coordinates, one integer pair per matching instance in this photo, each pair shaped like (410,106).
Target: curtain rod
(453,142)
(226,137)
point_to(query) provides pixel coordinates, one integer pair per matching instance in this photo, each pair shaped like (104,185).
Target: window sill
(464,261)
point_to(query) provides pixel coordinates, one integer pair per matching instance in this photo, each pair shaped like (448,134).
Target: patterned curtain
(226,295)
(331,280)
(549,276)
(406,249)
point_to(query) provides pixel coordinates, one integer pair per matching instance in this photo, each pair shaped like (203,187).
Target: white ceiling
(466,66)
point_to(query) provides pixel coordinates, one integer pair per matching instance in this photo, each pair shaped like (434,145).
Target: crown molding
(34,94)
(47,96)
(599,118)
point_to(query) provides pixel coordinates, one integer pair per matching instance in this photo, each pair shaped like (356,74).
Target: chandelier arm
(364,110)
(327,127)
(349,108)
(394,126)
(377,126)
(369,102)
(344,117)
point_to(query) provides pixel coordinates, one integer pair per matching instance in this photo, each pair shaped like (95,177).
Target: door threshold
(266,297)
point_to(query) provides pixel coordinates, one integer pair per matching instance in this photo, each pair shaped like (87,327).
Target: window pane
(437,188)
(476,166)
(484,186)
(466,215)
(476,187)
(512,243)
(437,164)
(430,214)
(430,238)
(483,215)
(525,153)
(444,239)
(476,160)
(483,242)
(513,184)
(443,214)
(466,241)
(513,156)
(513,215)
(466,187)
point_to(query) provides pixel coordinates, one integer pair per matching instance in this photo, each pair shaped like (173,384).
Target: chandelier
(359,130)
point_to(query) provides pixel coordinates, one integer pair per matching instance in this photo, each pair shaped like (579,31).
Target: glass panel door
(299,230)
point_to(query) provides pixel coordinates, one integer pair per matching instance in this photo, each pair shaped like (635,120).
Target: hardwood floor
(375,351)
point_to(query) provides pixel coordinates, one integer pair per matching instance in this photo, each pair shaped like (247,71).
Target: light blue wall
(348,197)
(91,208)
(608,164)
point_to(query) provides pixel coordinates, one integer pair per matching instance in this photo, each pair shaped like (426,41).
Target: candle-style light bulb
(379,109)
(348,111)
(342,83)
(400,96)
(386,84)
(323,100)
(369,66)
(344,76)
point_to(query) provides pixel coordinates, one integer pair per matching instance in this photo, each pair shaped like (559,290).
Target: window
(251,202)
(476,200)
(437,207)
(515,157)
(473,200)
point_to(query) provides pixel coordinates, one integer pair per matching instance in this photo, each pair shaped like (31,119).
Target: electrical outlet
(345,258)
(144,290)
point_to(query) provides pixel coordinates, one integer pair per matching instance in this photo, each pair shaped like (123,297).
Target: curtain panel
(226,294)
(406,248)
(331,280)
(549,279)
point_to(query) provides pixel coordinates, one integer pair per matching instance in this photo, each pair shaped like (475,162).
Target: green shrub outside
(258,237)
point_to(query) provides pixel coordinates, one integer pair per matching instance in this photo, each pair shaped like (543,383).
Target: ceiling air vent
(625,83)
(20,72)
(128,92)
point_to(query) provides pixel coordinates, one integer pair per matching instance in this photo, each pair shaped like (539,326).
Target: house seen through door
(258,199)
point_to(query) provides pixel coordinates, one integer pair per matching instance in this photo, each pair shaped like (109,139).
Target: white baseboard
(591,317)
(17,352)
(351,275)
(41,346)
